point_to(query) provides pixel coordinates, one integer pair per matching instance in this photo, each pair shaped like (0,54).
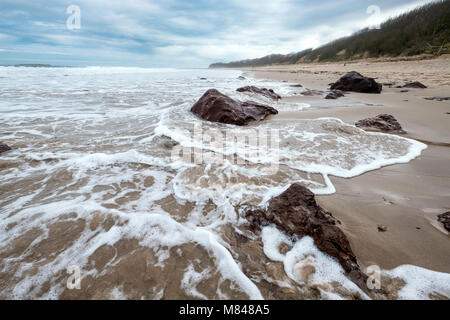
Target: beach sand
(406,198)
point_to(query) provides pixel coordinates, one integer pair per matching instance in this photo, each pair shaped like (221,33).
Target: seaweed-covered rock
(382,122)
(354,81)
(217,107)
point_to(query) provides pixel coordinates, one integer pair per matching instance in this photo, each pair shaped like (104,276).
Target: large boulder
(217,107)
(445,220)
(382,122)
(4,148)
(268,93)
(296,213)
(354,81)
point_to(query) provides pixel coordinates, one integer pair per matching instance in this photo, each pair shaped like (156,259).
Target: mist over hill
(425,30)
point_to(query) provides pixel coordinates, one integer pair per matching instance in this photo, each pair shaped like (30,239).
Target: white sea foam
(304,256)
(420,282)
(307,265)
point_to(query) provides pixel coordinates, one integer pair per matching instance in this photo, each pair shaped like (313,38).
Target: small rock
(333,95)
(415,85)
(268,93)
(242,78)
(445,220)
(439,98)
(165,142)
(296,86)
(4,148)
(310,93)
(382,228)
(382,122)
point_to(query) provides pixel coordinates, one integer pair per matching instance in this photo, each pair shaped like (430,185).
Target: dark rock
(296,86)
(439,98)
(382,122)
(333,95)
(164,142)
(296,213)
(445,220)
(242,78)
(382,228)
(309,92)
(404,91)
(217,107)
(4,148)
(415,85)
(354,81)
(268,93)
(203,78)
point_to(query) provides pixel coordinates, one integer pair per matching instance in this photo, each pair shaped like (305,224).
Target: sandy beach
(406,198)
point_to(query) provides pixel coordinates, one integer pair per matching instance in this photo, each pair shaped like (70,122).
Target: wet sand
(406,198)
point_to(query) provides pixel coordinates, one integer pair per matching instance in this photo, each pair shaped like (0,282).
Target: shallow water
(112,174)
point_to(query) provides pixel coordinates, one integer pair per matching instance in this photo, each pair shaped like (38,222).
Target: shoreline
(406,198)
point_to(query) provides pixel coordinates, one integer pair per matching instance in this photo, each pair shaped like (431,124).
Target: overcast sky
(177,33)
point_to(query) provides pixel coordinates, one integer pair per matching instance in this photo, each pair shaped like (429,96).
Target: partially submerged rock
(445,220)
(4,148)
(268,93)
(164,142)
(333,95)
(354,81)
(242,78)
(296,213)
(217,107)
(309,93)
(415,85)
(382,122)
(438,98)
